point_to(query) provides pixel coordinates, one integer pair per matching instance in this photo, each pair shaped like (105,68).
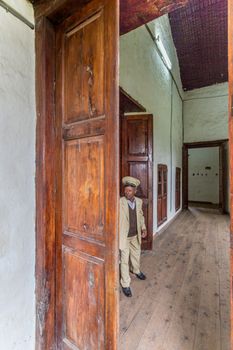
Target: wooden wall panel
(80,330)
(84,188)
(138,138)
(84,70)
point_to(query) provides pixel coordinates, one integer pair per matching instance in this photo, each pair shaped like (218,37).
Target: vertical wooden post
(230,68)
(45,185)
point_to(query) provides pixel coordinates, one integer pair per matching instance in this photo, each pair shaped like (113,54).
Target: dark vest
(132,222)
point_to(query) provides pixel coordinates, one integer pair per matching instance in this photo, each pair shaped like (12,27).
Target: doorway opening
(181,116)
(206,179)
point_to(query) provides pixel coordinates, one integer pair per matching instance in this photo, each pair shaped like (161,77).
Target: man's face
(130,192)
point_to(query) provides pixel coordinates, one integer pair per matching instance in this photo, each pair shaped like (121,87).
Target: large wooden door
(136,161)
(87,178)
(162,194)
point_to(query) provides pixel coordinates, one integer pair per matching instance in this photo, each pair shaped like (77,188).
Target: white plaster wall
(204,183)
(144,76)
(17,194)
(23,7)
(206,113)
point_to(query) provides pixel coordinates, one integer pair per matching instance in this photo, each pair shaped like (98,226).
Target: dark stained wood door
(178,185)
(162,194)
(136,161)
(87,131)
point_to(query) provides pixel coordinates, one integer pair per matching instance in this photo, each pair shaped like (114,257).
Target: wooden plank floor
(185,302)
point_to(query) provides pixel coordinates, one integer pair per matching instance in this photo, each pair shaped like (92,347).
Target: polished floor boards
(185,302)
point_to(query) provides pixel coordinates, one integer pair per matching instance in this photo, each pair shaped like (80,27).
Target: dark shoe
(127,291)
(141,276)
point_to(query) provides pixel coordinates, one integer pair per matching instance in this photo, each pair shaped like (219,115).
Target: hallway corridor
(185,302)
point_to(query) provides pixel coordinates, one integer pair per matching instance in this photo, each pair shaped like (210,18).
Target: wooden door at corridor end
(137,161)
(84,161)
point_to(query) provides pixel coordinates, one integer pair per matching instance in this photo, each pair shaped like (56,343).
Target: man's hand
(144,233)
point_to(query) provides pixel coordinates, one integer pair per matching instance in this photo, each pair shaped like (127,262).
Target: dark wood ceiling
(199,32)
(134,13)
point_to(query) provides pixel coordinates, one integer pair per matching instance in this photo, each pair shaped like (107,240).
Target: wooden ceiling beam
(133,13)
(56,10)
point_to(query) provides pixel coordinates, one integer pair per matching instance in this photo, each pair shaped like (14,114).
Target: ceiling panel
(199,32)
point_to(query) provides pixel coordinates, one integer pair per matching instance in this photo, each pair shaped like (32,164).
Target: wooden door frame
(185,185)
(45,184)
(230,130)
(48,14)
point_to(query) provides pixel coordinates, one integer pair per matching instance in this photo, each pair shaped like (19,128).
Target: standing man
(132,228)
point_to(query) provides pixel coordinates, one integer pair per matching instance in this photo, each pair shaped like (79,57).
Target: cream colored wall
(144,76)
(23,7)
(17,194)
(204,183)
(206,113)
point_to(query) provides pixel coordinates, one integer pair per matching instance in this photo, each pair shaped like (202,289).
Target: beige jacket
(124,221)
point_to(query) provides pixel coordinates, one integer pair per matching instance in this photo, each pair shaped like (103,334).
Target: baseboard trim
(203,204)
(168,223)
